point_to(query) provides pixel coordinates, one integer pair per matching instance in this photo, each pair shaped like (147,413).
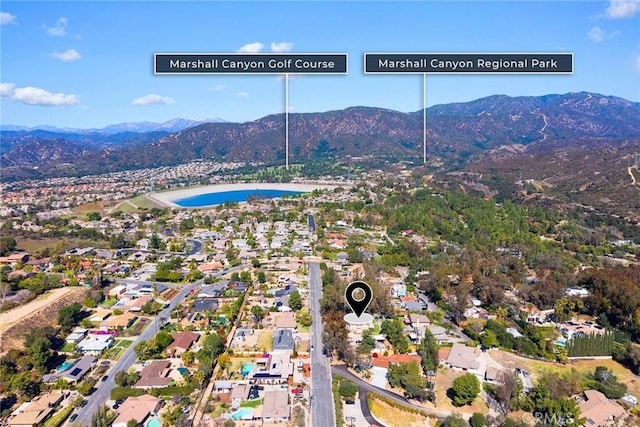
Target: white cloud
(219,88)
(7,18)
(153,99)
(60,29)
(251,48)
(242,94)
(281,47)
(7,90)
(622,8)
(37,96)
(68,56)
(597,34)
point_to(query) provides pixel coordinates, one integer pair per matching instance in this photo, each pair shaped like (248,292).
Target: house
(577,292)
(214,291)
(600,411)
(412,305)
(37,411)
(200,305)
(439,333)
(275,407)
(398,290)
(223,386)
(76,336)
(137,408)
(95,343)
(275,368)
(75,372)
(418,319)
(14,259)
(284,320)
(99,314)
(465,358)
(182,341)
(154,375)
(120,321)
(385,361)
(283,340)
(493,375)
(239,394)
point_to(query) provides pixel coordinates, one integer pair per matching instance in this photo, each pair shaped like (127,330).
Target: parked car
(350,402)
(73,417)
(106,377)
(84,403)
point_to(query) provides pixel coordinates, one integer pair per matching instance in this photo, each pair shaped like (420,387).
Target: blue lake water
(210,199)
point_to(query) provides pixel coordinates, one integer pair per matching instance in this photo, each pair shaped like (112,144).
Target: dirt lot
(43,311)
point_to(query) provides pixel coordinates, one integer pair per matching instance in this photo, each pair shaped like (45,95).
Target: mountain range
(457,134)
(173,125)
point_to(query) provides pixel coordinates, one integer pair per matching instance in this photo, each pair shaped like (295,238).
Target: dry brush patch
(13,336)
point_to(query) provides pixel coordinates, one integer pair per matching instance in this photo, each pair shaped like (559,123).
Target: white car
(630,399)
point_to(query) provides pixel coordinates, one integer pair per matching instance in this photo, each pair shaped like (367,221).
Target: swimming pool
(247,368)
(561,342)
(63,367)
(243,413)
(154,422)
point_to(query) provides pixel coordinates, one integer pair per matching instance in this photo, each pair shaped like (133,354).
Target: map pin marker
(361,300)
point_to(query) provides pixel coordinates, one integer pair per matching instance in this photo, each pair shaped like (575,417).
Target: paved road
(101,395)
(103,391)
(364,405)
(322,410)
(365,386)
(195,246)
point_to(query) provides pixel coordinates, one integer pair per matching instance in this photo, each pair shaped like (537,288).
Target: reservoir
(211,199)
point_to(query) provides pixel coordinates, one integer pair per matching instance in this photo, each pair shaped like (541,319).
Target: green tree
(262,278)
(258,313)
(7,245)
(68,316)
(368,343)
(465,389)
(428,351)
(347,388)
(394,331)
(94,216)
(453,421)
(489,339)
(477,420)
(295,302)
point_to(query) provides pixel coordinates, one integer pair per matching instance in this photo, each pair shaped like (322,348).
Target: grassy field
(143,202)
(35,245)
(388,415)
(444,381)
(102,206)
(537,368)
(265,341)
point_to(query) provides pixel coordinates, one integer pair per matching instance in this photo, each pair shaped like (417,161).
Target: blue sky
(89,64)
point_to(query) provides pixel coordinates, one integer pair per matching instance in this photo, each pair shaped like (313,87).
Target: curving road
(363,385)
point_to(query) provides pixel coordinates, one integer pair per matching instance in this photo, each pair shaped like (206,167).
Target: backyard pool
(154,422)
(64,366)
(243,414)
(247,368)
(561,342)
